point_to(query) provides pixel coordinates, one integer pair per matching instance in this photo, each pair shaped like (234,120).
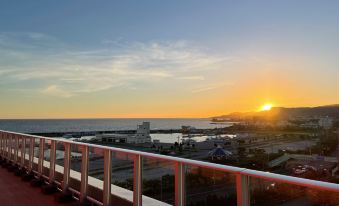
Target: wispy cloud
(192,78)
(63,71)
(210,87)
(55,90)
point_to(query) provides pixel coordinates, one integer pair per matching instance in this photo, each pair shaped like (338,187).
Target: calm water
(77,125)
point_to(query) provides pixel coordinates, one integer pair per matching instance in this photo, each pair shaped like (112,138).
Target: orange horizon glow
(167,114)
(178,99)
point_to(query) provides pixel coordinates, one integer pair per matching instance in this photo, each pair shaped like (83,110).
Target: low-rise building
(141,136)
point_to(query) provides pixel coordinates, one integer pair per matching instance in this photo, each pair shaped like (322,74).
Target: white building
(143,130)
(141,136)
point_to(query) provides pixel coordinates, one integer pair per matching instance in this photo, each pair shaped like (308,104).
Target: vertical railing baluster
(3,150)
(23,150)
(137,184)
(67,164)
(107,177)
(16,148)
(31,153)
(5,145)
(10,146)
(242,182)
(180,188)
(1,142)
(41,155)
(4,136)
(84,173)
(52,157)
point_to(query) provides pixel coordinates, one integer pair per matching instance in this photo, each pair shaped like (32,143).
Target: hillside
(283,112)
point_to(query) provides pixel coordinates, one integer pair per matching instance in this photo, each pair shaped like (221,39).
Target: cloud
(54,90)
(192,78)
(64,71)
(210,87)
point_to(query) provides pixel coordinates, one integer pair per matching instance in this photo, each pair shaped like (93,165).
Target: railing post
(41,155)
(10,147)
(2,143)
(52,157)
(8,142)
(84,173)
(31,153)
(16,148)
(23,150)
(242,182)
(7,146)
(180,189)
(137,184)
(4,146)
(67,164)
(107,177)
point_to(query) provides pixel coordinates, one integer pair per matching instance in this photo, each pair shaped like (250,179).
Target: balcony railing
(51,158)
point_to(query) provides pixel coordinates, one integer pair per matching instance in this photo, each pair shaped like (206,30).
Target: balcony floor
(15,192)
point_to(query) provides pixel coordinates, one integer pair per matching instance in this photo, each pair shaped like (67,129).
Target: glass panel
(12,145)
(28,142)
(16,147)
(209,187)
(158,181)
(6,144)
(75,174)
(47,154)
(20,145)
(265,192)
(36,153)
(59,161)
(95,173)
(122,175)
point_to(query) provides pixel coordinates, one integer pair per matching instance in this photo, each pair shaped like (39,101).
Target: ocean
(86,125)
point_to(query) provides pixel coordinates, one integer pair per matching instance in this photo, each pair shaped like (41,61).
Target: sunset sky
(93,59)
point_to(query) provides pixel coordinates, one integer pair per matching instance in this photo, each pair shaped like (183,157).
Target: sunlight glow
(266,107)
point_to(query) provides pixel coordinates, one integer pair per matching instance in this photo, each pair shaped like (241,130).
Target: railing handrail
(232,169)
(241,174)
(144,154)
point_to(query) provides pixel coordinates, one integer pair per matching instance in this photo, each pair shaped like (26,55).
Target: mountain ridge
(289,112)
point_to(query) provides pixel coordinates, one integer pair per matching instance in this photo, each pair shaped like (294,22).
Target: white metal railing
(10,151)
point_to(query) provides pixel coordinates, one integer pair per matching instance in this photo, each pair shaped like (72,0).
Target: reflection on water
(84,125)
(177,137)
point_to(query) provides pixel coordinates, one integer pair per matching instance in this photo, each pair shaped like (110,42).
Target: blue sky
(56,54)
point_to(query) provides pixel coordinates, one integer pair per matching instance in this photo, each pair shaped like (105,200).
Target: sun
(266,107)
